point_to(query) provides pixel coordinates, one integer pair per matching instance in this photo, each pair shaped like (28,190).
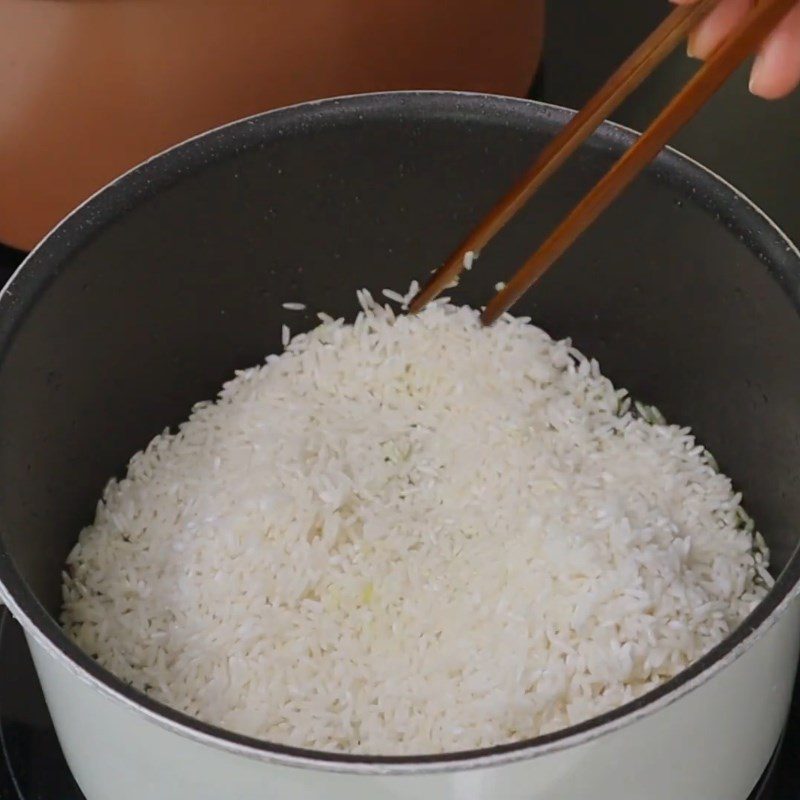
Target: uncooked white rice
(294,306)
(413,535)
(390,294)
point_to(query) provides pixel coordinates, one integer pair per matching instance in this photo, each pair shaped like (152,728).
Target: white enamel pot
(150,294)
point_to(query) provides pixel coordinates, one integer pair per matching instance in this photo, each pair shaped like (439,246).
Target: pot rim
(31,278)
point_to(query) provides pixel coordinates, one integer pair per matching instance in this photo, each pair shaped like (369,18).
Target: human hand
(776,70)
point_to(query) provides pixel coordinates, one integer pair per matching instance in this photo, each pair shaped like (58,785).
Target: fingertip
(757,86)
(769,87)
(776,70)
(718,24)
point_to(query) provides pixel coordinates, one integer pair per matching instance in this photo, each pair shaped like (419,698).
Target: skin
(776,69)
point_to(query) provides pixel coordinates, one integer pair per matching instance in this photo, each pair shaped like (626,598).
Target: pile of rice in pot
(410,535)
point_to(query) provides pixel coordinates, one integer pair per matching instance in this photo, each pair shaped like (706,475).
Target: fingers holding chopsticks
(776,70)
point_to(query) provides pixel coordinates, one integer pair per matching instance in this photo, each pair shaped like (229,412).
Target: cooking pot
(147,297)
(91,88)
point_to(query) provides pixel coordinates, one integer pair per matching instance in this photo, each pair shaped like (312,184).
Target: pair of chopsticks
(742,43)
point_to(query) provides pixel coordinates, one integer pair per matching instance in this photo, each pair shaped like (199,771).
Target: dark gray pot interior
(147,298)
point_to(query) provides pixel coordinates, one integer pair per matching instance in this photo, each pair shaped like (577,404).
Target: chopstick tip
(489,315)
(418,302)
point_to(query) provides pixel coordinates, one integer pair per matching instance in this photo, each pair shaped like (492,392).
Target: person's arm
(776,70)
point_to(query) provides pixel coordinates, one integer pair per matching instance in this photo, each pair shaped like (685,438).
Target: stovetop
(584,42)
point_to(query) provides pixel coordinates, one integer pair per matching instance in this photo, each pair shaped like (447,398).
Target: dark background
(753,144)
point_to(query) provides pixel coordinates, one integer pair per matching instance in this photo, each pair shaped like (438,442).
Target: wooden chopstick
(742,43)
(636,68)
